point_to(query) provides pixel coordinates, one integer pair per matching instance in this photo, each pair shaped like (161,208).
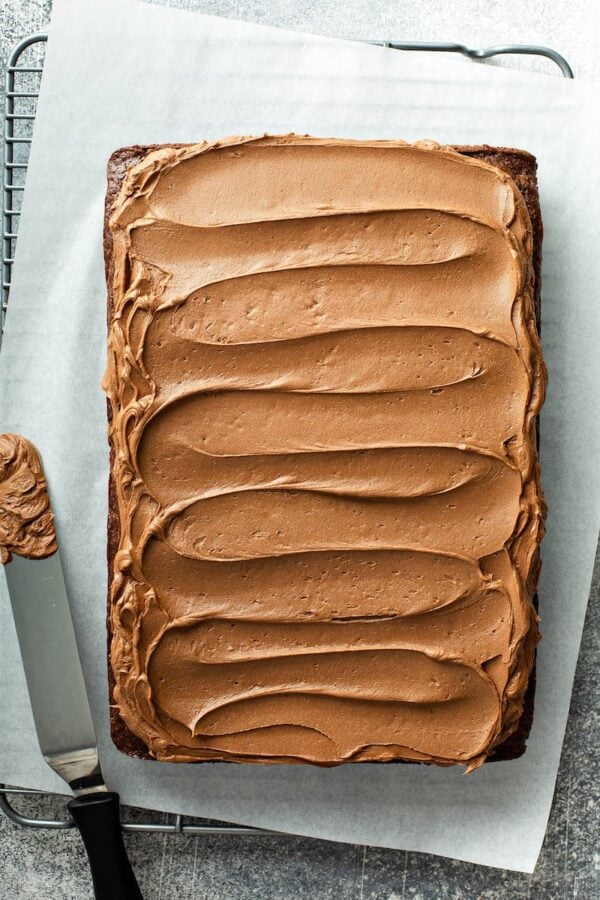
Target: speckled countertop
(44,864)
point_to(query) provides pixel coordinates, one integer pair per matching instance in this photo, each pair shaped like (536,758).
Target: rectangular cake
(324,375)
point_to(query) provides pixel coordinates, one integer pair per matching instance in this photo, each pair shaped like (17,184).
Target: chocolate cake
(323,382)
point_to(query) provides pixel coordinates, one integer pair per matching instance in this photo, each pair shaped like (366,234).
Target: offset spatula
(57,691)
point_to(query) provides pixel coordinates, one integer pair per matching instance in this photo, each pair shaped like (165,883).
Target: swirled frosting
(323,374)
(26,520)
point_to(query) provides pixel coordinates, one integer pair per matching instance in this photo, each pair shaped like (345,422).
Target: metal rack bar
(178,826)
(13,142)
(478,54)
(10,220)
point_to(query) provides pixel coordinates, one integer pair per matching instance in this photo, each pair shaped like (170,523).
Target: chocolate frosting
(26,520)
(323,374)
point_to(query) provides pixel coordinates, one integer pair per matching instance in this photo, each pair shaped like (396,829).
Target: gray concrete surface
(44,864)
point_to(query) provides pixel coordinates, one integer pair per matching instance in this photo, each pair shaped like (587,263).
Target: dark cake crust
(522,168)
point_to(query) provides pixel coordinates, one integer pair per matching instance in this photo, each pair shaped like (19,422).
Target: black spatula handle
(97,817)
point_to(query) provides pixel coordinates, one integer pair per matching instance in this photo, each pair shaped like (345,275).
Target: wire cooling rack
(23,77)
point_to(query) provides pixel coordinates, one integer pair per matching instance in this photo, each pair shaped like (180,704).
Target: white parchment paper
(119,72)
